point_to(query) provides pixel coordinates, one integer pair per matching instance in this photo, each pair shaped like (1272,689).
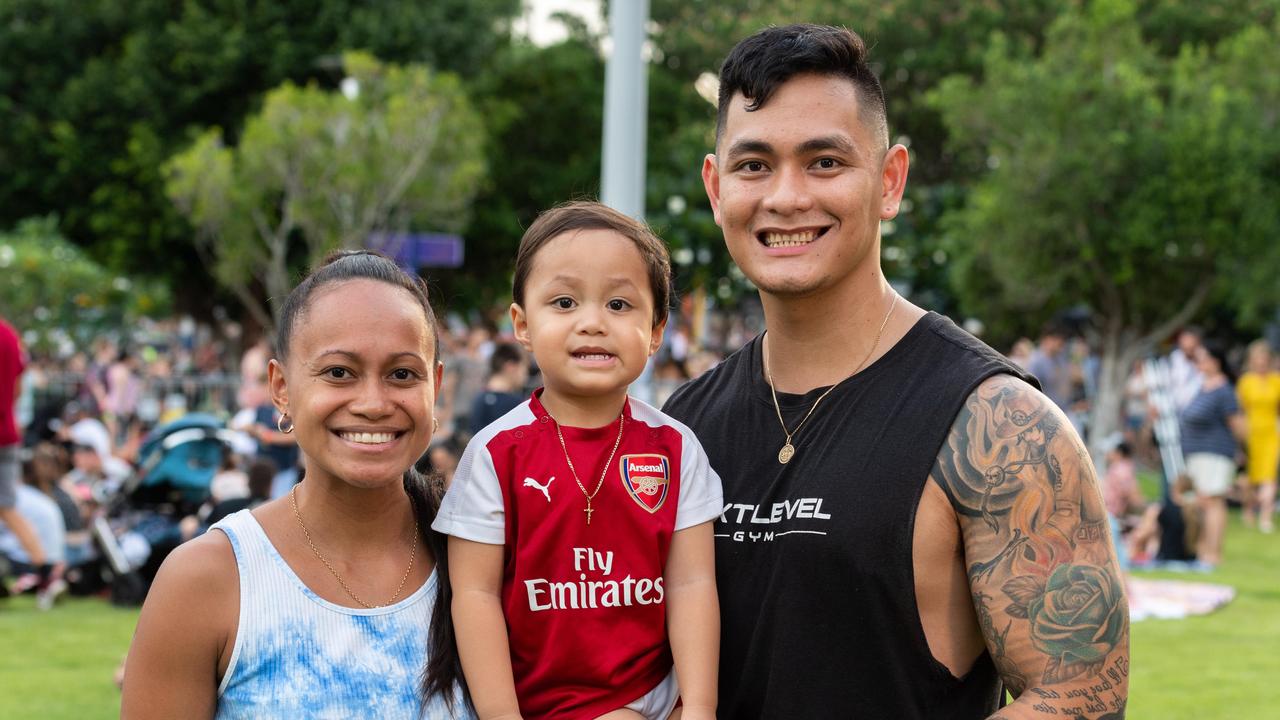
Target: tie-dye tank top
(297,655)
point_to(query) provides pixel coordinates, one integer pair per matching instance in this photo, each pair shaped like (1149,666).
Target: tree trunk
(1118,353)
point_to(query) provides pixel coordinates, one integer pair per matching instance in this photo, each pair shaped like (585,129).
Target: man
(1052,367)
(1184,376)
(909,524)
(12,363)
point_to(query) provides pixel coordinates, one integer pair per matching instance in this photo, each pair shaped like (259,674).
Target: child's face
(588,313)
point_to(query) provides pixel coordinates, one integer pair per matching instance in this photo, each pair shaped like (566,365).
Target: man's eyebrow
(749,147)
(827,142)
(355,357)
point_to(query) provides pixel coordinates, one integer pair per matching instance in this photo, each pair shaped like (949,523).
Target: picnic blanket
(1174,599)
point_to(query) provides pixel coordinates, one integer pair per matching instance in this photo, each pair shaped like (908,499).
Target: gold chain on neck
(622,419)
(413,553)
(788,450)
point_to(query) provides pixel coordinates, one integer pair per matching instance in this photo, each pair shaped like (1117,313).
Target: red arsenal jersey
(584,603)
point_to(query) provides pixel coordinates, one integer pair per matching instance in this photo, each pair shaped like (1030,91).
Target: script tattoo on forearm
(1045,585)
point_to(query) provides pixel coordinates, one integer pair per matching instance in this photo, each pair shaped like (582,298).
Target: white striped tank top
(297,655)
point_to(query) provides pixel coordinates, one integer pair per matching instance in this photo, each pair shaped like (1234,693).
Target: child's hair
(583,215)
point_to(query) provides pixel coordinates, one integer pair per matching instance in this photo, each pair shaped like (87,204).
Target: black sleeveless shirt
(813,558)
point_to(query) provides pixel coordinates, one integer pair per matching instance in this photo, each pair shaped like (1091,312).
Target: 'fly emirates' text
(582,593)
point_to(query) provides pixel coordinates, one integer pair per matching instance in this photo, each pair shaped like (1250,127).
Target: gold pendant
(786,453)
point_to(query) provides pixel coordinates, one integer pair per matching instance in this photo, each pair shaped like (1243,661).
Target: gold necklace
(788,450)
(603,471)
(413,553)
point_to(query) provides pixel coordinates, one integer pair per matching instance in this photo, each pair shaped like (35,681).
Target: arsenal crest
(646,479)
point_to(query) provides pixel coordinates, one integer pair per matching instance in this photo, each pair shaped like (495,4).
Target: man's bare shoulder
(1037,552)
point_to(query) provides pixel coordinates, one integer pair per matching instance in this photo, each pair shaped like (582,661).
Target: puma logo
(530,482)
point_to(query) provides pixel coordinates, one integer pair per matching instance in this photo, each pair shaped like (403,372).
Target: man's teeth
(365,438)
(789,239)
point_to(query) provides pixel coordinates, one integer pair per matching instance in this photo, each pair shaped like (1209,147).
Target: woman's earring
(280,423)
(435,425)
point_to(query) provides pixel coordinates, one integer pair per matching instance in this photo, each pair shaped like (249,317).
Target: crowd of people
(1225,402)
(890,497)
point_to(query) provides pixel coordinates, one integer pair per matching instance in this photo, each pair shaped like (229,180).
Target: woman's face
(1259,359)
(1206,363)
(360,382)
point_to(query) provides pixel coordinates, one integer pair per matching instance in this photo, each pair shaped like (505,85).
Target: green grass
(59,664)
(1222,665)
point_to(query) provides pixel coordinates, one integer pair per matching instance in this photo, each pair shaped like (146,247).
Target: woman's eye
(618,305)
(338,373)
(403,374)
(563,303)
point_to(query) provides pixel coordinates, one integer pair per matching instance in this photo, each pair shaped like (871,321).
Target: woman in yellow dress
(1259,391)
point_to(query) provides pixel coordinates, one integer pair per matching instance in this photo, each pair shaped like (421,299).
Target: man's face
(800,185)
(1188,342)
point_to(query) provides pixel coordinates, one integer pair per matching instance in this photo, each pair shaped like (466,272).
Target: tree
(56,295)
(95,96)
(317,170)
(1140,185)
(543,109)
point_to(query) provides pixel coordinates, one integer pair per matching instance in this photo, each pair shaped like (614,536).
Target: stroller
(177,462)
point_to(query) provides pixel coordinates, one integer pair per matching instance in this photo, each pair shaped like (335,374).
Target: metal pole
(626,105)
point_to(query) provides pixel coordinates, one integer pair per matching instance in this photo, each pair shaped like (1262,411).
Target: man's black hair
(760,64)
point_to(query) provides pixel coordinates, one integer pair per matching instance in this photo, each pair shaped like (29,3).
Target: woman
(314,604)
(1259,393)
(1211,423)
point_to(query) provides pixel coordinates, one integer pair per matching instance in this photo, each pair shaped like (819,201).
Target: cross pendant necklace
(622,420)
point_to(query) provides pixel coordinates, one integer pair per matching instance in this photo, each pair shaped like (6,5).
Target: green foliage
(1114,176)
(95,95)
(316,170)
(543,112)
(53,293)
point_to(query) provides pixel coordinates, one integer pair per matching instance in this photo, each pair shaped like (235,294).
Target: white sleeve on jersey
(701,498)
(472,509)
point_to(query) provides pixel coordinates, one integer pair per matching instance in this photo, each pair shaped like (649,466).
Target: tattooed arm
(1037,551)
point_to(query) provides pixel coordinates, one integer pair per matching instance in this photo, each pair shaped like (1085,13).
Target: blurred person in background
(1051,365)
(1259,395)
(508,373)
(120,402)
(261,473)
(277,446)
(1210,424)
(45,519)
(13,360)
(49,468)
(467,372)
(1184,373)
(1021,352)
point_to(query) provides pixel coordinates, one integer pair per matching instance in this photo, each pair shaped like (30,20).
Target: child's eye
(564,303)
(618,304)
